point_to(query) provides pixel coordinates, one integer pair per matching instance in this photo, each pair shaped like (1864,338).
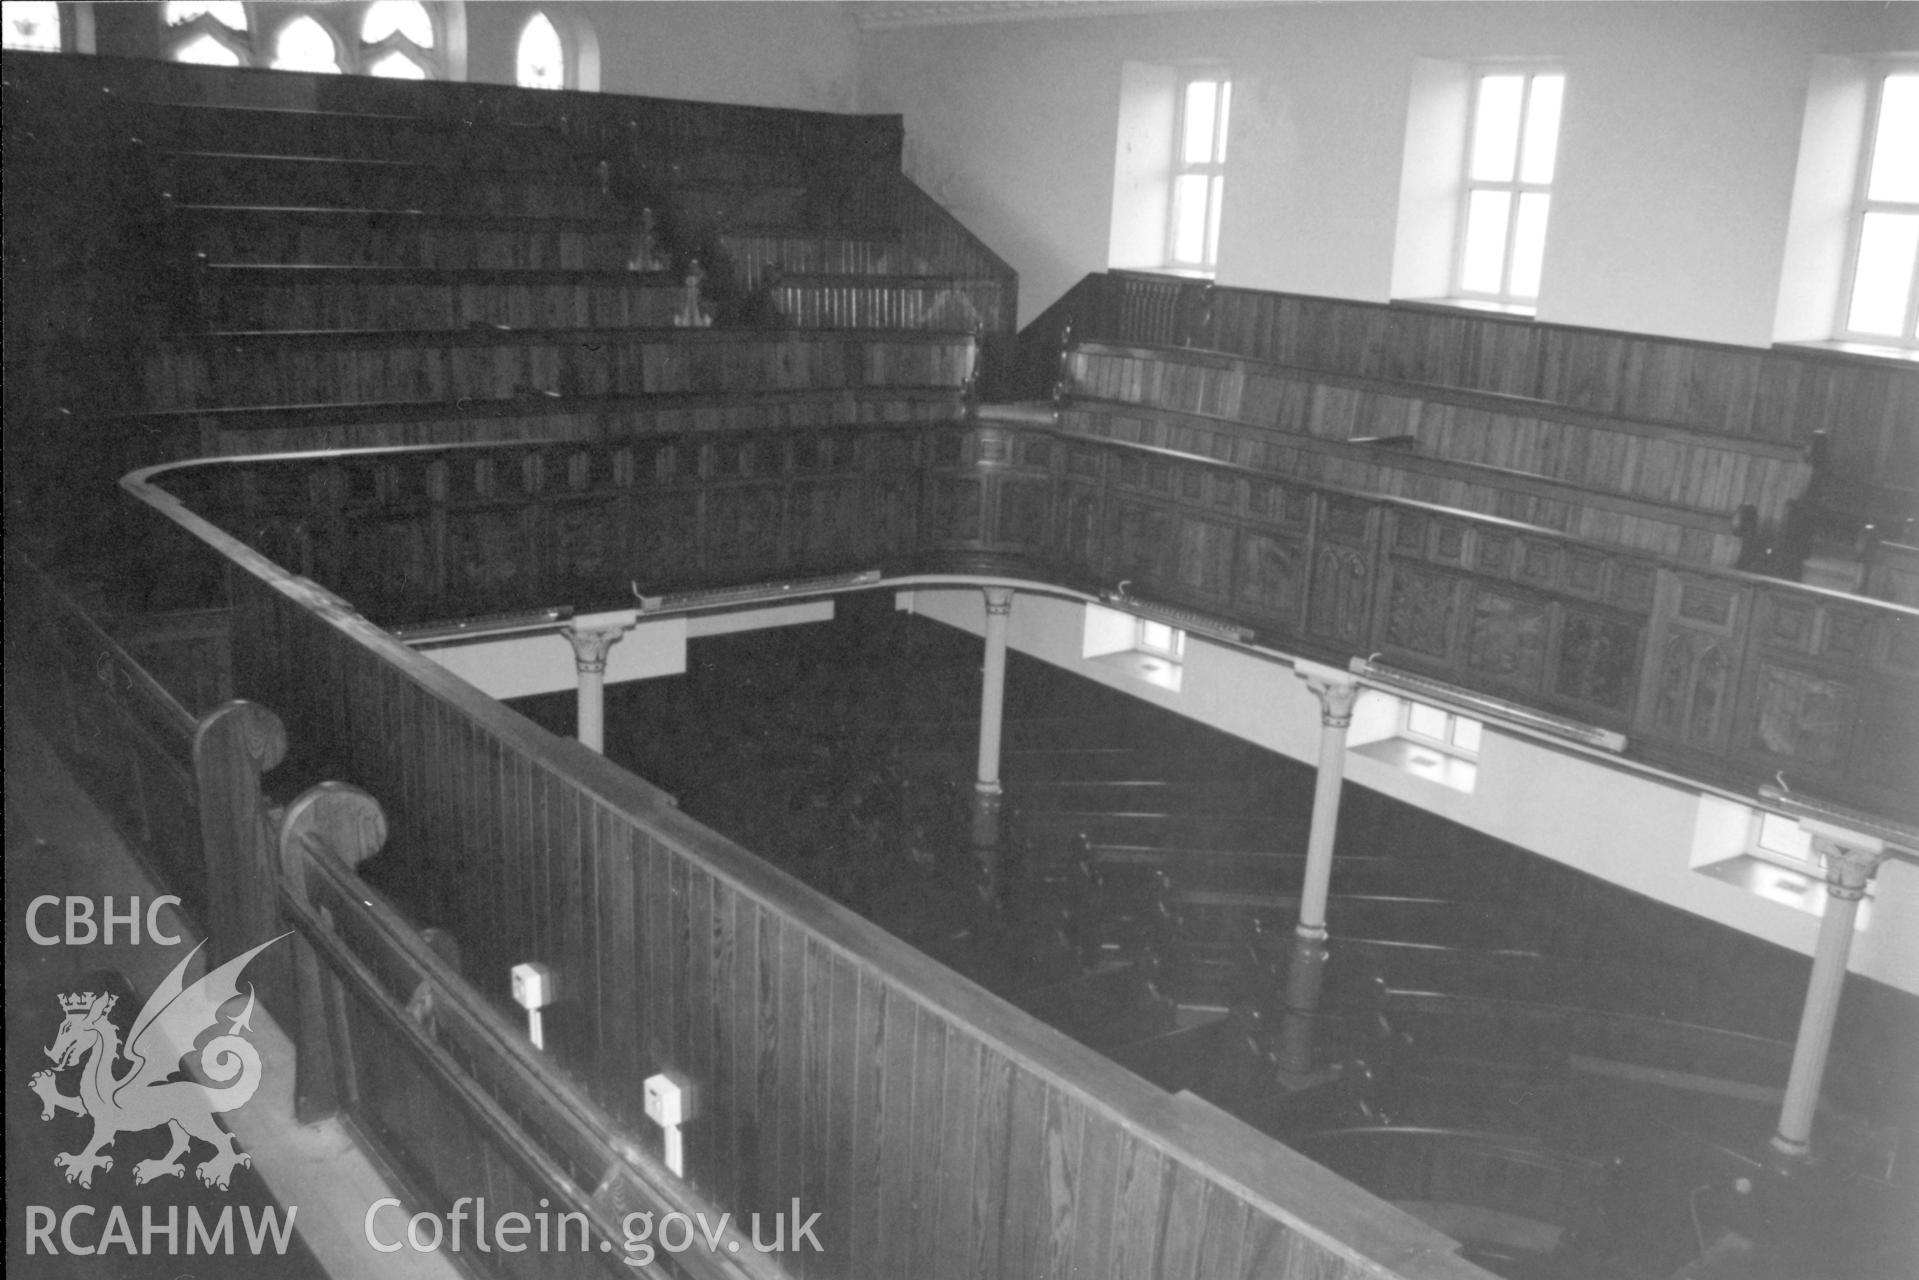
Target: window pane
(304,45)
(1189,218)
(1484,267)
(541,62)
(408,17)
(1883,282)
(1542,129)
(395,65)
(1212,220)
(205,51)
(1225,116)
(1895,147)
(31,25)
(1155,635)
(1783,835)
(1529,244)
(1466,733)
(1427,722)
(1196,145)
(230,14)
(1496,128)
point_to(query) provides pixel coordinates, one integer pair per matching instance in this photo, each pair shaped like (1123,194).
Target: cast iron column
(1336,693)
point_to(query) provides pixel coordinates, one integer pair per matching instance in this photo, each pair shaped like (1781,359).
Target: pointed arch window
(210,33)
(33,26)
(397,40)
(304,45)
(541,59)
(406,18)
(204,50)
(230,14)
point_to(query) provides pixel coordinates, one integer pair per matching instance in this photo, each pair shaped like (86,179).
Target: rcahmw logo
(145,1096)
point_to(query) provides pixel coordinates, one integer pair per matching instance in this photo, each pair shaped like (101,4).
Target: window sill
(1423,761)
(1511,310)
(1800,890)
(1152,668)
(1861,352)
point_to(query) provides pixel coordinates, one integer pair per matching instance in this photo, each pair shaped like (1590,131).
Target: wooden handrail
(509,1090)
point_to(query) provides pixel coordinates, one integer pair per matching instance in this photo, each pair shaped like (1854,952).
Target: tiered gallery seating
(333,263)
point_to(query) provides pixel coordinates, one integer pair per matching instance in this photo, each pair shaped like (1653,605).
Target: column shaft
(1849,870)
(589,661)
(992,712)
(1305,971)
(992,708)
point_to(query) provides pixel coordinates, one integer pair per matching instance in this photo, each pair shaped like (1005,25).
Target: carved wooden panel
(886,518)
(1585,572)
(955,514)
(1077,533)
(1270,578)
(1506,637)
(1341,584)
(1143,544)
(1420,611)
(1634,586)
(1599,660)
(1538,560)
(1708,604)
(824,519)
(1800,716)
(743,528)
(1885,750)
(1847,635)
(1344,517)
(1205,559)
(1023,508)
(1409,532)
(666,547)
(1694,689)
(1495,552)
(486,556)
(1790,622)
(585,542)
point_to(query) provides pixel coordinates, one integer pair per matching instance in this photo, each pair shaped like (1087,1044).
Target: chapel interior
(1094,638)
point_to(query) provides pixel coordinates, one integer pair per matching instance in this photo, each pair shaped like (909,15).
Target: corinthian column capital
(590,646)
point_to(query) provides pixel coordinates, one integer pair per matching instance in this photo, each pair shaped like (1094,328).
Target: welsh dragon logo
(146,1095)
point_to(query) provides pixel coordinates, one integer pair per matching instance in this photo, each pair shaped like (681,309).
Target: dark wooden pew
(1113,1004)
(1154,828)
(1647,486)
(305,368)
(1169,795)
(1225,868)
(337,182)
(1505,1195)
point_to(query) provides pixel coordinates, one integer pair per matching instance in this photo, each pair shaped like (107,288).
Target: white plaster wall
(1678,153)
(1634,831)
